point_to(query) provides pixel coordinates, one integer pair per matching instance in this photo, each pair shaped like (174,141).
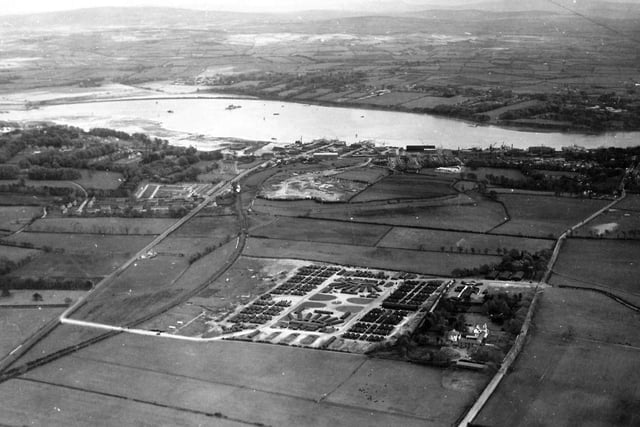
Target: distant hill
(382,11)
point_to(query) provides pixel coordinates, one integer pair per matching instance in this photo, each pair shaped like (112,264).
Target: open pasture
(83,243)
(544,216)
(99,180)
(603,263)
(368,175)
(272,385)
(106,225)
(208,226)
(26,401)
(317,230)
(432,263)
(72,265)
(15,254)
(13,218)
(470,215)
(631,203)
(144,286)
(19,323)
(583,314)
(398,187)
(460,212)
(613,224)
(572,370)
(436,240)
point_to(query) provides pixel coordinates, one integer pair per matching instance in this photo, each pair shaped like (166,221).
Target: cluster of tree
(9,172)
(506,309)
(45,283)
(206,251)
(533,265)
(445,317)
(54,174)
(608,111)
(8,265)
(51,136)
(10,145)
(109,133)
(78,158)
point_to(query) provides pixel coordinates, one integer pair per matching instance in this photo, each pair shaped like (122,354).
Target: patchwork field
(321,231)
(543,216)
(431,263)
(579,367)
(436,240)
(598,263)
(397,187)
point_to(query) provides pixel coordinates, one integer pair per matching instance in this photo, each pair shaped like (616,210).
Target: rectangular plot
(317,230)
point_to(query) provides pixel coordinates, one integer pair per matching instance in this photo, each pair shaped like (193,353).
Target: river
(202,122)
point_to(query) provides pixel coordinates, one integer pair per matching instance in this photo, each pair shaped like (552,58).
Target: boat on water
(169,111)
(276,114)
(233,107)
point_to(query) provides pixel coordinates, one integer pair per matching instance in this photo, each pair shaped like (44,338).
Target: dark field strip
(147,402)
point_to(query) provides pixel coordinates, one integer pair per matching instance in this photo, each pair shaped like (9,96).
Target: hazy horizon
(41,6)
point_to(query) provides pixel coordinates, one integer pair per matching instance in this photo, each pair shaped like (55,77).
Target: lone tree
(37,297)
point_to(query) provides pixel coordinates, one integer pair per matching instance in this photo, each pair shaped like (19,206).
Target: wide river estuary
(203,121)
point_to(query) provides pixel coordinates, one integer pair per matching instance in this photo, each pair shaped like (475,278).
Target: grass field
(479,216)
(13,218)
(434,240)
(101,180)
(605,263)
(19,323)
(317,230)
(613,224)
(145,285)
(396,187)
(460,212)
(631,202)
(542,216)
(73,265)
(84,243)
(208,226)
(250,383)
(247,278)
(106,225)
(30,402)
(579,367)
(434,263)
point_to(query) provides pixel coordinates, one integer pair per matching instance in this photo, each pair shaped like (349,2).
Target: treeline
(45,283)
(45,190)
(78,159)
(38,173)
(9,172)
(533,265)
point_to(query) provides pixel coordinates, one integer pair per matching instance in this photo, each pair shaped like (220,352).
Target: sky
(8,7)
